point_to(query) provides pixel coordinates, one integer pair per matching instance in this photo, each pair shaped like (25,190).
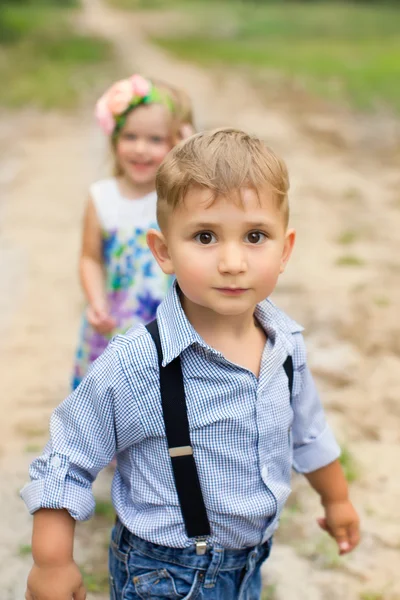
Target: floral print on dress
(135,286)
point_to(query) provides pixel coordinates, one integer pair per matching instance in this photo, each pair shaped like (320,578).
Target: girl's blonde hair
(182,121)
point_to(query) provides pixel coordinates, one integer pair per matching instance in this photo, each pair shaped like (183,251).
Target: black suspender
(178,438)
(288,366)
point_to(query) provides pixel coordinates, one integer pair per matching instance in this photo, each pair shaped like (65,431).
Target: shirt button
(264,472)
(56,462)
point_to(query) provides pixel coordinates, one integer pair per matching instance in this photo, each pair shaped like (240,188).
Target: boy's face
(227,254)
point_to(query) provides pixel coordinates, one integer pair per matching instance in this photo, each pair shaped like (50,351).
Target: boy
(197,495)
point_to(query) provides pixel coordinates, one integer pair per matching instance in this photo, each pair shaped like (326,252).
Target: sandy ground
(342,284)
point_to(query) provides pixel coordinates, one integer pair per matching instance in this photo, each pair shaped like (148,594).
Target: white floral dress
(135,284)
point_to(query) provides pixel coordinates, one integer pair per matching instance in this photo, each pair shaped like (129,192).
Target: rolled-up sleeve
(314,444)
(83,440)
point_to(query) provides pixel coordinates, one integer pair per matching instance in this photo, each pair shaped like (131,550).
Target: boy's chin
(231,308)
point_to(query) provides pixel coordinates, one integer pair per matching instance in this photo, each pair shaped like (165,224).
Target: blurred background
(320,82)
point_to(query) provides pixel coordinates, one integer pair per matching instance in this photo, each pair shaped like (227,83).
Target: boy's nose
(232,260)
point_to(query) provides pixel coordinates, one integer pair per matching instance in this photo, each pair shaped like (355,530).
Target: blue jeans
(141,570)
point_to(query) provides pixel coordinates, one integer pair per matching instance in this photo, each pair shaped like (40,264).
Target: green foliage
(382,301)
(371,596)
(105,509)
(326,553)
(349,465)
(96,581)
(350,260)
(139,4)
(25,550)
(43,61)
(347,237)
(42,2)
(346,51)
(32,448)
(269,593)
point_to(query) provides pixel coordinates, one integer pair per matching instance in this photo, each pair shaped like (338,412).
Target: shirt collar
(177,333)
(278,326)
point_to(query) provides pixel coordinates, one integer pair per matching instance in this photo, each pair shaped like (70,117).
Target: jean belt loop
(217,554)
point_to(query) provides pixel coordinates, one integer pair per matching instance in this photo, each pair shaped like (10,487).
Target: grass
(144,4)
(30,430)
(105,510)
(349,260)
(96,581)
(44,61)
(269,593)
(289,512)
(371,596)
(347,237)
(347,52)
(25,550)
(382,301)
(323,551)
(349,465)
(32,448)
(327,554)
(353,195)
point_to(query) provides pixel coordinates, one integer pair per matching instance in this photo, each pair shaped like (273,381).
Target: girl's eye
(129,136)
(205,238)
(156,139)
(255,237)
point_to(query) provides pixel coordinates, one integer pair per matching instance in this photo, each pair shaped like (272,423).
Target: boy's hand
(55,583)
(342,523)
(100,320)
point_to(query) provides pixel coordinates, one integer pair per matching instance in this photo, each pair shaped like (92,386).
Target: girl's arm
(54,573)
(91,271)
(91,260)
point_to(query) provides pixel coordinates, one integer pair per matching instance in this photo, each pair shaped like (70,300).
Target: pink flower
(119,96)
(104,116)
(141,86)
(117,99)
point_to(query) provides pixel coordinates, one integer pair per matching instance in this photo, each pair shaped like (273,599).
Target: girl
(120,278)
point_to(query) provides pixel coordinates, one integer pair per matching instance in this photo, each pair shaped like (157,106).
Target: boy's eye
(255,237)
(156,139)
(205,238)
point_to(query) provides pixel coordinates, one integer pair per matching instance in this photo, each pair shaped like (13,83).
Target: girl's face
(143,143)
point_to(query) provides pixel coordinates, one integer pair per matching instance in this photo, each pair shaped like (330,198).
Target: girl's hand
(55,583)
(342,523)
(100,320)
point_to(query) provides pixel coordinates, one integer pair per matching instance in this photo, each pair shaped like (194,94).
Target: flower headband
(114,105)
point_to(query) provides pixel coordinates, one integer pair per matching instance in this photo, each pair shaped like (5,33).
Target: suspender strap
(178,437)
(288,366)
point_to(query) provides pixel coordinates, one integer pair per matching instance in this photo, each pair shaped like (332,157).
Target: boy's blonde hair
(223,161)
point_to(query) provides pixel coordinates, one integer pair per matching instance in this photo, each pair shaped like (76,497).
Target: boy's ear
(158,246)
(287,248)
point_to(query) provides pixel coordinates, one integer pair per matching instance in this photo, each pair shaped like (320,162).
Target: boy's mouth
(232,291)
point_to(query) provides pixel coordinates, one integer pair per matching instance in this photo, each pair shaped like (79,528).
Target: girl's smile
(142,145)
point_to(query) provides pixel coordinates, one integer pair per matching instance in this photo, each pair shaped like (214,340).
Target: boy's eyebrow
(247,224)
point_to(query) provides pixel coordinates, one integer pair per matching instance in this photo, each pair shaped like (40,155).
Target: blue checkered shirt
(246,435)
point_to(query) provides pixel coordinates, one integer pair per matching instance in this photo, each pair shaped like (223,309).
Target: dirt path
(341,285)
